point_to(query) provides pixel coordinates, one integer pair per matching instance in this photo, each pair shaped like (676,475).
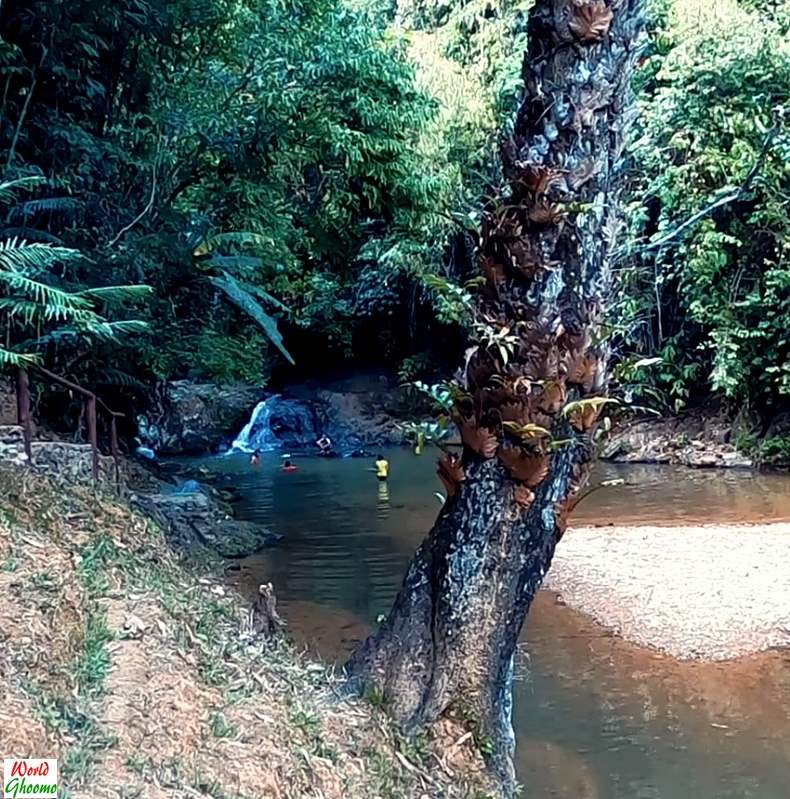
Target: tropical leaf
(523,495)
(9,188)
(247,303)
(584,371)
(237,238)
(590,22)
(235,263)
(526,432)
(28,234)
(583,413)
(45,205)
(17,359)
(19,255)
(588,402)
(266,297)
(552,397)
(55,303)
(110,376)
(116,331)
(514,412)
(115,295)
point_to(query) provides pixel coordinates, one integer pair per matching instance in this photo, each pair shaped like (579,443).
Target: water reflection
(596,718)
(383,505)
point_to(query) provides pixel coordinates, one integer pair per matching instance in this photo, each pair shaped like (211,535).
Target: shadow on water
(595,717)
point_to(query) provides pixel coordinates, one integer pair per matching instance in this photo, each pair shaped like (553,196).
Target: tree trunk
(532,388)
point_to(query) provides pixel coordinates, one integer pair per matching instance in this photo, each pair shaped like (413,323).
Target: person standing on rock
(324,444)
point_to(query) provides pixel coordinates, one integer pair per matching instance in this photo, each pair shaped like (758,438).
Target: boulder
(692,439)
(198,519)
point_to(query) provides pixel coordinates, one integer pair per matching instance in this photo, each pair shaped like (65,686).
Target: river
(595,717)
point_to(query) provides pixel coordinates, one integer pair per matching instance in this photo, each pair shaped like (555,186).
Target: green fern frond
(237,238)
(116,331)
(16,359)
(20,255)
(247,303)
(9,188)
(236,263)
(117,377)
(46,205)
(115,295)
(58,303)
(266,297)
(28,234)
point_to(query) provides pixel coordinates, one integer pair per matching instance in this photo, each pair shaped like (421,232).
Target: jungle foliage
(303,179)
(705,307)
(251,161)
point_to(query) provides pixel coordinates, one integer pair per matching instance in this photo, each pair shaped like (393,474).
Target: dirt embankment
(709,592)
(146,679)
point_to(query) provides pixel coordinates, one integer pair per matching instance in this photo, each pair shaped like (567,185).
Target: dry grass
(142,677)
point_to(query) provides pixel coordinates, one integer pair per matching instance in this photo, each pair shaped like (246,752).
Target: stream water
(595,717)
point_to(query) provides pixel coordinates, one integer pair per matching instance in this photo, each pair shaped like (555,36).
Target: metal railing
(91,402)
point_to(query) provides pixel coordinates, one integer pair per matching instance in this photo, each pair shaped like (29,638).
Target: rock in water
(279,423)
(188,487)
(196,519)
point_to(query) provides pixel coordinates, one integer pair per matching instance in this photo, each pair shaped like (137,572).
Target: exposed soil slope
(145,679)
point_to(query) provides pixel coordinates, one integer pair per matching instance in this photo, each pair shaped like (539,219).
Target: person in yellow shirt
(382,467)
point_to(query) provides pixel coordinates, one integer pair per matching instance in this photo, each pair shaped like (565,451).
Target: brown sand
(708,592)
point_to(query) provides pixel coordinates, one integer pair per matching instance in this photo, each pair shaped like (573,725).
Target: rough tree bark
(532,386)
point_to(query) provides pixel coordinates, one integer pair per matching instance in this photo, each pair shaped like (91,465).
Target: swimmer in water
(289,467)
(255,459)
(382,467)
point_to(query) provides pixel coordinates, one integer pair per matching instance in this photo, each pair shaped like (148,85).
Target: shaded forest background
(255,190)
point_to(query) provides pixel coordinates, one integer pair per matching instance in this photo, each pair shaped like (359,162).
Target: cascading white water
(276,423)
(257,434)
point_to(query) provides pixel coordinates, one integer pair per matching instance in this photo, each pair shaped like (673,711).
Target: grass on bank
(140,672)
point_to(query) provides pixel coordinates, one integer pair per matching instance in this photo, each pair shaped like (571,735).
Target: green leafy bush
(705,282)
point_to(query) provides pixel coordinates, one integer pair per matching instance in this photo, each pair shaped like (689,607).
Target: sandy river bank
(708,592)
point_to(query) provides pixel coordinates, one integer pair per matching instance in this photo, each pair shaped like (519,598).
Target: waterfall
(256,434)
(276,423)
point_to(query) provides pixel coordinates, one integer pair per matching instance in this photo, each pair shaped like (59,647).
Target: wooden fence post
(93,437)
(23,411)
(114,449)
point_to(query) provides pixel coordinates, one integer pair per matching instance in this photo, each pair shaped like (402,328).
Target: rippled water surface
(595,717)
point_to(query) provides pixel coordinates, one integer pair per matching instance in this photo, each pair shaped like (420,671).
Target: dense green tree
(705,281)
(281,149)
